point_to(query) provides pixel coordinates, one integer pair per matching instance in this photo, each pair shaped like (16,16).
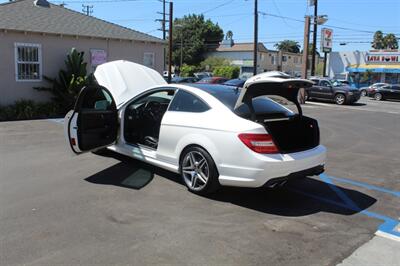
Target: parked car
(212,80)
(324,89)
(201,75)
(366,90)
(235,82)
(184,80)
(385,92)
(211,135)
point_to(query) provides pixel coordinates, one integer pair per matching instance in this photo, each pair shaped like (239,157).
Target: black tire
(378,96)
(212,183)
(340,99)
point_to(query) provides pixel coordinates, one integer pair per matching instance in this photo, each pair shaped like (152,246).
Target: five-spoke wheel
(199,171)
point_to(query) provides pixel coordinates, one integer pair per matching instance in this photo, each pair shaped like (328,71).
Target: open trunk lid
(272,83)
(125,79)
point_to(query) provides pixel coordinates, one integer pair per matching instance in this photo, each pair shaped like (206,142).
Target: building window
(295,60)
(272,60)
(284,58)
(28,62)
(148,60)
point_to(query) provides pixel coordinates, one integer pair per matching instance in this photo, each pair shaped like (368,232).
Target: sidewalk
(377,251)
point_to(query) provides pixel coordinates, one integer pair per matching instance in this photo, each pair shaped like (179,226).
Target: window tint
(187,102)
(325,83)
(264,105)
(97,99)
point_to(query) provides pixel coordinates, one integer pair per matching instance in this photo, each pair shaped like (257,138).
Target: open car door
(93,124)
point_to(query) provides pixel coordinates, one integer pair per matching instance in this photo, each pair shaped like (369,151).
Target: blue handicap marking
(389,224)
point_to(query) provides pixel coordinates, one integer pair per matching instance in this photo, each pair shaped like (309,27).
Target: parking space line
(386,229)
(362,184)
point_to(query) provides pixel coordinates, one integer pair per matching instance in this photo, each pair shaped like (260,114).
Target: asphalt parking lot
(56,208)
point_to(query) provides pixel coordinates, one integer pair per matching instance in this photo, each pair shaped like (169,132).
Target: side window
(97,99)
(187,102)
(325,83)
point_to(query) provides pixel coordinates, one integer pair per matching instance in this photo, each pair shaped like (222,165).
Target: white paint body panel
(216,130)
(126,79)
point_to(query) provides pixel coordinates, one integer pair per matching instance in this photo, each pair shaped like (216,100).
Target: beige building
(241,54)
(36,36)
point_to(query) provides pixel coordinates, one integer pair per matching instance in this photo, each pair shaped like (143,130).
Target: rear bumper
(307,172)
(255,169)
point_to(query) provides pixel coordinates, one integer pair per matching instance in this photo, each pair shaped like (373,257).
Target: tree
(197,35)
(66,87)
(288,46)
(378,41)
(390,41)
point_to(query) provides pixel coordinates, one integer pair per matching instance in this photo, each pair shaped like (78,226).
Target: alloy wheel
(340,99)
(195,170)
(378,96)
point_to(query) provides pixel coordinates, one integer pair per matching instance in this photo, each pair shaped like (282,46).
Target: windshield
(337,83)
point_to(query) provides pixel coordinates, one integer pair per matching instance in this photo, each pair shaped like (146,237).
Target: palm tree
(288,46)
(390,41)
(378,42)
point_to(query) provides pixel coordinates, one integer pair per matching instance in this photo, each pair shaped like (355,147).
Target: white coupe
(211,135)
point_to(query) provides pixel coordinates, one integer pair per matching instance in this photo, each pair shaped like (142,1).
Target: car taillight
(260,143)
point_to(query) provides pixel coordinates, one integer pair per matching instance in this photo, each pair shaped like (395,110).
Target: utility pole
(163,28)
(255,37)
(314,37)
(171,7)
(87,9)
(304,65)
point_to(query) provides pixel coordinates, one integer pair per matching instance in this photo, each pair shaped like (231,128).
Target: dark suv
(332,90)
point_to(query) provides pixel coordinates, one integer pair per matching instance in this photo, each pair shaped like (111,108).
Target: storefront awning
(374,68)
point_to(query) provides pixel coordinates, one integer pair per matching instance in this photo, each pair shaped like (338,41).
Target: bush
(229,72)
(27,109)
(213,62)
(188,70)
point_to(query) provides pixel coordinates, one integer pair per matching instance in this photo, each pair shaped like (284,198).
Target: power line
(87,9)
(218,6)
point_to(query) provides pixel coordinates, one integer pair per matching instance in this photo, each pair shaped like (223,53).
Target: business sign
(97,57)
(382,57)
(326,40)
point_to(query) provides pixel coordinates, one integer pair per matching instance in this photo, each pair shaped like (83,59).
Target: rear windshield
(262,105)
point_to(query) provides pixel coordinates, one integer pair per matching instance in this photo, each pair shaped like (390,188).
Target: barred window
(28,57)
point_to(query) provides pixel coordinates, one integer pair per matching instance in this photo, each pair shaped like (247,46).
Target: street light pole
(255,37)
(171,7)
(314,37)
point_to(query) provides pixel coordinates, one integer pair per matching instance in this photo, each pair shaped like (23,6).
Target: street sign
(326,40)
(311,2)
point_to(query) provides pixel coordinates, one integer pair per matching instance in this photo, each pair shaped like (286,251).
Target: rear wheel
(340,99)
(378,96)
(198,171)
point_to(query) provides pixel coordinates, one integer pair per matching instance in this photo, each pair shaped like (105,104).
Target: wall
(54,51)
(338,61)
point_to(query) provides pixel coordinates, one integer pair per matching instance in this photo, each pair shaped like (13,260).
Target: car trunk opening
(290,132)
(297,133)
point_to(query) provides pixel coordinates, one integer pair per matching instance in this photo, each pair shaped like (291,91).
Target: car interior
(142,119)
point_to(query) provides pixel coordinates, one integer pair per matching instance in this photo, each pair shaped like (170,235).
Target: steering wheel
(151,109)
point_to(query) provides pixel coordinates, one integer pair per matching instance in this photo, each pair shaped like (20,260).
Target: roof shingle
(23,15)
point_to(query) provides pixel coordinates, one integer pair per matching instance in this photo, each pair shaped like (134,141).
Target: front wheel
(378,96)
(198,171)
(340,99)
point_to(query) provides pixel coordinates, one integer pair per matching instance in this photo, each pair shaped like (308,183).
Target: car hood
(272,84)
(126,80)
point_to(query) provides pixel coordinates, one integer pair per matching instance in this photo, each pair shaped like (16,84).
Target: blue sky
(361,16)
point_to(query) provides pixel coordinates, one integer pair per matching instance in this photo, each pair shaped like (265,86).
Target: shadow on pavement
(298,198)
